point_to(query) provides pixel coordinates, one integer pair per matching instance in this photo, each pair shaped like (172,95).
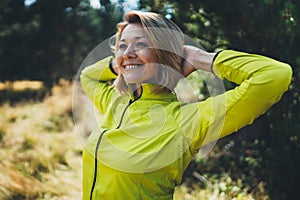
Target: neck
(136,90)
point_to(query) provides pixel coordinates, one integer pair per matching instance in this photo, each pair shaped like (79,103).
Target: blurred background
(42,46)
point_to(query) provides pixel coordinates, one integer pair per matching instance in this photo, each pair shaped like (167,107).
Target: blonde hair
(167,42)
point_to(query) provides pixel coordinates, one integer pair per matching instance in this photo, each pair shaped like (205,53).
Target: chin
(132,81)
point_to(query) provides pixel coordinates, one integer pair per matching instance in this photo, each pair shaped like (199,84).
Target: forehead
(133,31)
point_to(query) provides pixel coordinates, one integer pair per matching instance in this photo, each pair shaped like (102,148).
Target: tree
(48,40)
(265,27)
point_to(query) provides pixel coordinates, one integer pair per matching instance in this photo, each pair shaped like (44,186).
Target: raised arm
(94,80)
(261,80)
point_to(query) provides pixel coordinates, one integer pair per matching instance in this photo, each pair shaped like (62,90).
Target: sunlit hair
(166,41)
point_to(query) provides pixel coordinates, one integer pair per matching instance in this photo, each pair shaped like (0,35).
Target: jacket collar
(147,92)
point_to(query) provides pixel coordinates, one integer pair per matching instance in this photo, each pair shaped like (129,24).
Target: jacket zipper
(97,148)
(96,164)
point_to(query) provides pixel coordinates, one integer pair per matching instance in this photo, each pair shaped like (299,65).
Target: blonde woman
(148,137)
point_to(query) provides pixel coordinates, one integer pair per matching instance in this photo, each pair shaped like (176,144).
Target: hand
(196,59)
(114,66)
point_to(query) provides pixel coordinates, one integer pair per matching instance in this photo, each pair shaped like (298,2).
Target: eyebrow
(138,37)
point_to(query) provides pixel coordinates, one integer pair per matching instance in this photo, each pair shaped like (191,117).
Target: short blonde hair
(167,41)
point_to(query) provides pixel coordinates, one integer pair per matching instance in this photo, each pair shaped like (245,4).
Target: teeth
(131,66)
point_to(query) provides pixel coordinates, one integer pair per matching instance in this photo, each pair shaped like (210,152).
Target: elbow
(280,80)
(285,76)
(275,82)
(289,73)
(84,80)
(81,78)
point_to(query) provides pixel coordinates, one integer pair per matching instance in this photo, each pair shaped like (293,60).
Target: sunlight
(95,4)
(29,2)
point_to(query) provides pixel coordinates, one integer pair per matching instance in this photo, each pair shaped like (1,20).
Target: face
(135,58)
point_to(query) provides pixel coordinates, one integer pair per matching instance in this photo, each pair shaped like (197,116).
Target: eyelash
(122,46)
(139,45)
(142,44)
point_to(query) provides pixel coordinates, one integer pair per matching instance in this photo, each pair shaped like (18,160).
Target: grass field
(40,154)
(39,150)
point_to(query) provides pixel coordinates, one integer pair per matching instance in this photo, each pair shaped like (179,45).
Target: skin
(196,59)
(134,49)
(135,59)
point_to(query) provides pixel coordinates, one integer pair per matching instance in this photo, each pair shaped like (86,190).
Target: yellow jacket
(144,145)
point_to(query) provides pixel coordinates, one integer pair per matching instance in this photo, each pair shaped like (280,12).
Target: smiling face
(135,56)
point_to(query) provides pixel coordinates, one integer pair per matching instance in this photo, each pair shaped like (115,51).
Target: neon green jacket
(144,145)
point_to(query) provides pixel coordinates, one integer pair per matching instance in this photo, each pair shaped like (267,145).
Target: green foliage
(268,150)
(13,96)
(48,40)
(2,134)
(37,163)
(56,123)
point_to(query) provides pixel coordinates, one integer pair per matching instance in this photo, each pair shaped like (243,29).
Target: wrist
(204,60)
(212,64)
(113,66)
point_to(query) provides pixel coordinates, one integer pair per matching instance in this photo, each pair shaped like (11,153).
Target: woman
(148,137)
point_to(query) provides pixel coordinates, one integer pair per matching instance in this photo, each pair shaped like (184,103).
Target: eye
(122,46)
(142,45)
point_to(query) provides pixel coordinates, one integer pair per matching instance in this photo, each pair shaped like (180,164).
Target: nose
(130,52)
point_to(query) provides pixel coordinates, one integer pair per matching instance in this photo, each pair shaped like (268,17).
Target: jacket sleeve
(261,83)
(94,80)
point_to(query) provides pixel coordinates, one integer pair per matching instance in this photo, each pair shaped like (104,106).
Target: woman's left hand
(114,66)
(196,59)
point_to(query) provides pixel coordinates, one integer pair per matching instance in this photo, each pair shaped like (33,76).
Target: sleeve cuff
(111,67)
(212,68)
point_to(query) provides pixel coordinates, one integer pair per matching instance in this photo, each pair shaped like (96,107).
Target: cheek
(118,56)
(147,55)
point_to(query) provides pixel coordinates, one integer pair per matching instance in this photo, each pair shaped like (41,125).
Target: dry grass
(221,189)
(21,85)
(40,153)
(39,150)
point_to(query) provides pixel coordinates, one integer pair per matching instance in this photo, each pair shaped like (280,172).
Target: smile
(133,66)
